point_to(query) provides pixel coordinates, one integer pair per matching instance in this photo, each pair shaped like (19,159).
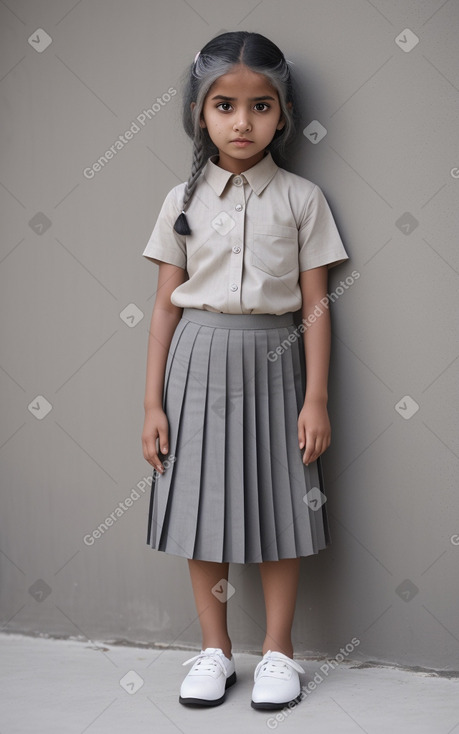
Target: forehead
(242,82)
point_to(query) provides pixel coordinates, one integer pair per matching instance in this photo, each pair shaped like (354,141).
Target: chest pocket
(274,248)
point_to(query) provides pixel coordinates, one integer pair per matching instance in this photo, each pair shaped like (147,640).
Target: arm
(164,320)
(313,423)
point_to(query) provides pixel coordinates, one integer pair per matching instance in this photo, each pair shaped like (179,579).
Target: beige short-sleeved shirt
(252,235)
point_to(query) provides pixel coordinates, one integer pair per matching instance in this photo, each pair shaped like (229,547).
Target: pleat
(299,369)
(234,539)
(287,441)
(313,477)
(182,519)
(325,523)
(293,401)
(279,486)
(176,377)
(252,480)
(210,524)
(160,488)
(263,451)
(173,355)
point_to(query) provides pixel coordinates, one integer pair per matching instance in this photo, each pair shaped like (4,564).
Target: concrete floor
(72,687)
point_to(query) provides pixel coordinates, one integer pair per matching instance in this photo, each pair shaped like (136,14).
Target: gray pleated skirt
(235,487)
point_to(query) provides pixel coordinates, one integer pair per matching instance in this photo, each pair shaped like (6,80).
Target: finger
(310,448)
(155,461)
(321,445)
(301,434)
(153,458)
(151,454)
(315,454)
(163,440)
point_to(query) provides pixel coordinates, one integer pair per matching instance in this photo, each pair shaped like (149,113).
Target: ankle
(285,649)
(224,645)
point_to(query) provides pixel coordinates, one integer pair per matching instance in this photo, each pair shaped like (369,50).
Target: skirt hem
(213,560)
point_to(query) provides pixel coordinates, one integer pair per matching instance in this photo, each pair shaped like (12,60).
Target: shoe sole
(209,701)
(271,705)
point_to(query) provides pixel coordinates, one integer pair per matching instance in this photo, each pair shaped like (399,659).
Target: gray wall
(77,298)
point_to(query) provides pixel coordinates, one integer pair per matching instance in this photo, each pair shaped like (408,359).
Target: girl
(231,429)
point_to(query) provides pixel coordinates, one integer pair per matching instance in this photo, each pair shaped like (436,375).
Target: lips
(241,140)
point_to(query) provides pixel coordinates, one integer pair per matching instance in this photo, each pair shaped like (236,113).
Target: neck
(238,166)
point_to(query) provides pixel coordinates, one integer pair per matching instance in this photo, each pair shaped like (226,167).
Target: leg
(212,611)
(280,585)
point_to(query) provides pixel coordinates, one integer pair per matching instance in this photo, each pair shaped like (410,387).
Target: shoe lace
(276,661)
(207,661)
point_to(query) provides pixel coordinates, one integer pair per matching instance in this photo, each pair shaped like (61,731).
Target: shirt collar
(258,176)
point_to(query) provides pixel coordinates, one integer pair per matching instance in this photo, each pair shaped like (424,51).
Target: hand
(155,427)
(313,429)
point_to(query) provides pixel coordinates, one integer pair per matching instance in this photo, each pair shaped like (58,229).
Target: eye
(223,104)
(262,104)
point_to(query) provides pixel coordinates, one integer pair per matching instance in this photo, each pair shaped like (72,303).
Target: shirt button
(233,287)
(239,207)
(236,249)
(237,181)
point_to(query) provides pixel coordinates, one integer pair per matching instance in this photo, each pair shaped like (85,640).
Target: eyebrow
(252,99)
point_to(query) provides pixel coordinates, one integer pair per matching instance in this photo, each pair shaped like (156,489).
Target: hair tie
(181,225)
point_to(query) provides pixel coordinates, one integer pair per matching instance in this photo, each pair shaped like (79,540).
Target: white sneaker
(208,679)
(276,681)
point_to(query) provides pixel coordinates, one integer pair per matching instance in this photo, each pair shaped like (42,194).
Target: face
(241,105)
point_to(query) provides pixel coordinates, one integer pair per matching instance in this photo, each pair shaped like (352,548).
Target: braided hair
(218,57)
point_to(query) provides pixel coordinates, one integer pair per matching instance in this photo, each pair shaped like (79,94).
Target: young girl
(232,429)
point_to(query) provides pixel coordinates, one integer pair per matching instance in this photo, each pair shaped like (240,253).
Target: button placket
(236,255)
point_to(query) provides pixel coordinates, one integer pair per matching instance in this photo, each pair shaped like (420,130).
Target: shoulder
(299,190)
(172,202)
(175,194)
(295,181)
(302,194)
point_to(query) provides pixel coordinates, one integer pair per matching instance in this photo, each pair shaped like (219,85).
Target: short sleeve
(165,244)
(318,237)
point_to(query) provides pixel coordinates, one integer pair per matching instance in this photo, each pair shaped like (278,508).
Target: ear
(281,122)
(202,122)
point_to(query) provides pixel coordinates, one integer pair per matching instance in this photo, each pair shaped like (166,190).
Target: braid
(181,224)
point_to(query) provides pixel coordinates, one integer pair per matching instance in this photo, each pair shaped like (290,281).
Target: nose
(243,124)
